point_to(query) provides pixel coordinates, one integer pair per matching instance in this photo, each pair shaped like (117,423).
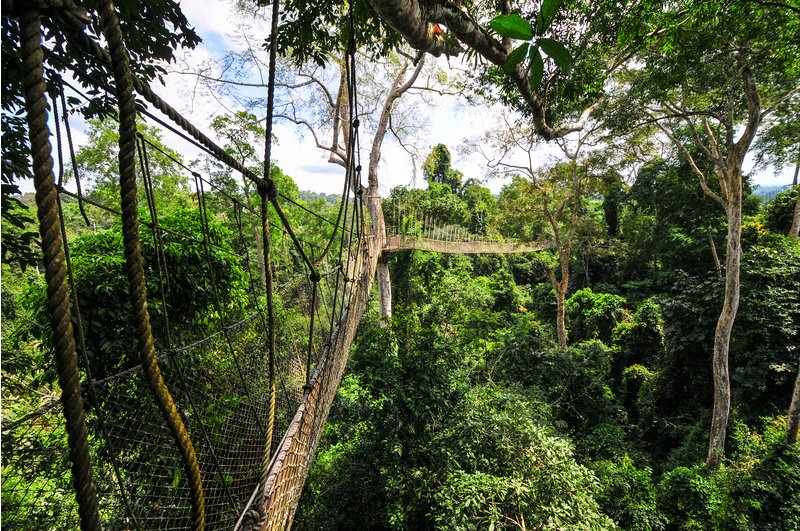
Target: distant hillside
(768,192)
(310,197)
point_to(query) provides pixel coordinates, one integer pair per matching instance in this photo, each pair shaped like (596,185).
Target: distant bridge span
(402,243)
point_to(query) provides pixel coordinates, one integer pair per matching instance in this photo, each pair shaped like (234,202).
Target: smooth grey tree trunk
(722,335)
(385,290)
(793,420)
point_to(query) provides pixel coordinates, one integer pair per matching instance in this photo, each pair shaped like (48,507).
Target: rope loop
(267,189)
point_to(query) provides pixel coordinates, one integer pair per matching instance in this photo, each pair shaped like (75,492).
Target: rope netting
(406,218)
(169,406)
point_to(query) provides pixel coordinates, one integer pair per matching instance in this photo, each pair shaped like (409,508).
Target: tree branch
(701,176)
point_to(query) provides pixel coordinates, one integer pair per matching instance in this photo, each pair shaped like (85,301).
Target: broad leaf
(559,53)
(547,14)
(515,58)
(512,26)
(536,69)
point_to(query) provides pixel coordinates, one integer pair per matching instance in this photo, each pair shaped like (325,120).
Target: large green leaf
(513,26)
(558,53)
(515,57)
(547,14)
(536,69)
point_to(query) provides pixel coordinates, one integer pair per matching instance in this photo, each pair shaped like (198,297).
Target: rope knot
(356,123)
(267,188)
(358,168)
(315,276)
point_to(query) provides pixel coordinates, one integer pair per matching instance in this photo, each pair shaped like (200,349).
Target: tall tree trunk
(794,230)
(722,336)
(385,290)
(796,173)
(399,87)
(561,319)
(793,420)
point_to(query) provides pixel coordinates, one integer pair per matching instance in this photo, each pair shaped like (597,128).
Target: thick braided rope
(55,270)
(133,259)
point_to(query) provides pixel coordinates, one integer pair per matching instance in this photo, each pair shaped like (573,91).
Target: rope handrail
(55,272)
(135,270)
(265,186)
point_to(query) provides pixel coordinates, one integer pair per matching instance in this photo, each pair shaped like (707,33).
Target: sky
(296,153)
(449,121)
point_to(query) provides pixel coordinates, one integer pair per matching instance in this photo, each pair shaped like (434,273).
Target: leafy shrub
(627,494)
(758,488)
(779,210)
(505,470)
(99,269)
(594,315)
(685,496)
(639,338)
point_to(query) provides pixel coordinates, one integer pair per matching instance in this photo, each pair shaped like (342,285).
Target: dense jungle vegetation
(640,373)
(466,414)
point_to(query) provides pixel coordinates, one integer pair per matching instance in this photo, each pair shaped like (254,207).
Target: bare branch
(701,176)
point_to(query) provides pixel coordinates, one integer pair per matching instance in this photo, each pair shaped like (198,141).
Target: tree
(779,145)
(243,139)
(555,196)
(707,83)
(437,168)
(98,162)
(102,289)
(414,20)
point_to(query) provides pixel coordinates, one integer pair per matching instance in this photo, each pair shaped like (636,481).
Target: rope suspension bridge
(409,227)
(183,426)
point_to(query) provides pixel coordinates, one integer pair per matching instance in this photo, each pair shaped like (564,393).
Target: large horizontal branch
(414,21)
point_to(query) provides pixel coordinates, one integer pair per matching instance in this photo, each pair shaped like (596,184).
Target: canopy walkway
(203,414)
(410,227)
(401,243)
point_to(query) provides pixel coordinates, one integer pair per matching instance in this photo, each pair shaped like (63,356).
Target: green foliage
(99,267)
(153,31)
(628,495)
(513,26)
(667,220)
(756,489)
(594,315)
(685,496)
(437,169)
(766,340)
(511,472)
(98,163)
(778,212)
(639,337)
(315,32)
(18,230)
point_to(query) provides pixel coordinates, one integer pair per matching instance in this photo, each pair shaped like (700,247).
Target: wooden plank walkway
(401,243)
